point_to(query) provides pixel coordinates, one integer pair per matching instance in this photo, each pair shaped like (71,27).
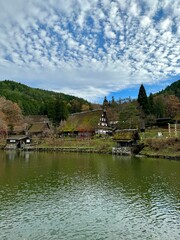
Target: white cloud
(89,48)
(145,22)
(166,24)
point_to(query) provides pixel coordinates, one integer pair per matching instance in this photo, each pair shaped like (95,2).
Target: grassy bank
(103,145)
(165,146)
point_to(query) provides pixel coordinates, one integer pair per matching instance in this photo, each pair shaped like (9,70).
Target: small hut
(17,142)
(126,137)
(127,141)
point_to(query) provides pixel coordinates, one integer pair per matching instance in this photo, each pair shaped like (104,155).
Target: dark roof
(17,137)
(104,128)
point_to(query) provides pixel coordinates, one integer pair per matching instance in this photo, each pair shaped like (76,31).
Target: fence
(173,129)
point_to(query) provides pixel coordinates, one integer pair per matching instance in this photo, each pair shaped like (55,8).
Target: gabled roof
(17,137)
(36,119)
(126,135)
(84,121)
(38,127)
(104,127)
(18,129)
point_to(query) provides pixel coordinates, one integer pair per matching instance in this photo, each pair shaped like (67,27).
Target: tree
(12,111)
(10,115)
(159,106)
(57,111)
(105,102)
(172,105)
(143,100)
(151,104)
(75,106)
(129,116)
(113,102)
(3,124)
(85,107)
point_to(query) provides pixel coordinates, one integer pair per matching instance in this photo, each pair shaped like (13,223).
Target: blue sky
(91,49)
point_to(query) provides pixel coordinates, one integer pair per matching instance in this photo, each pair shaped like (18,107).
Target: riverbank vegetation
(161,142)
(98,144)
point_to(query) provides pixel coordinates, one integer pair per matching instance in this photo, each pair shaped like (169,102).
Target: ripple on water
(89,206)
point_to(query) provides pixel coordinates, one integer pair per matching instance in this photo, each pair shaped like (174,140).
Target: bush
(158,144)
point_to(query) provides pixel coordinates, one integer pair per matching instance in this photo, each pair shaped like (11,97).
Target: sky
(91,48)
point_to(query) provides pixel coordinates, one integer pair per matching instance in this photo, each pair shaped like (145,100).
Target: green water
(86,196)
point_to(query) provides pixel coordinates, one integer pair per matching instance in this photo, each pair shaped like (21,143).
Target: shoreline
(93,150)
(160,156)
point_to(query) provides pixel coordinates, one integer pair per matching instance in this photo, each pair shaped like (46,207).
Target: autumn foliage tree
(172,105)
(10,114)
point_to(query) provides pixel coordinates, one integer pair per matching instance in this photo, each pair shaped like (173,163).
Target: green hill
(173,89)
(33,101)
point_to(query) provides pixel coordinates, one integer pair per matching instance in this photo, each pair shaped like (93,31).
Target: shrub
(157,144)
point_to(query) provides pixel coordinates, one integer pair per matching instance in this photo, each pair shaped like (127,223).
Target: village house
(86,124)
(81,124)
(126,137)
(127,142)
(17,142)
(39,130)
(103,127)
(30,119)
(38,126)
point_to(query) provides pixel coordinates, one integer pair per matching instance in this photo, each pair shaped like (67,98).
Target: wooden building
(30,119)
(17,142)
(127,142)
(126,137)
(103,125)
(39,130)
(81,124)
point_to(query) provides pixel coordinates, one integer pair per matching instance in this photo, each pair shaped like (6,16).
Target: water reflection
(82,196)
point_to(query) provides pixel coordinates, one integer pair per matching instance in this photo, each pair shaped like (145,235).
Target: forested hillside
(173,89)
(166,103)
(129,113)
(146,109)
(33,101)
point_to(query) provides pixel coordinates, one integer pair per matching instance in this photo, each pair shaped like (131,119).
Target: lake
(88,196)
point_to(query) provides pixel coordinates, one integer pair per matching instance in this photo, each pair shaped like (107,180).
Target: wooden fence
(173,130)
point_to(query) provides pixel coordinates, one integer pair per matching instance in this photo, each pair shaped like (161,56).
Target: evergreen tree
(151,104)
(105,102)
(159,106)
(57,111)
(113,102)
(143,100)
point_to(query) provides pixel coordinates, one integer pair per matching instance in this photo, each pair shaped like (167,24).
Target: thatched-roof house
(126,137)
(39,130)
(127,142)
(30,119)
(81,124)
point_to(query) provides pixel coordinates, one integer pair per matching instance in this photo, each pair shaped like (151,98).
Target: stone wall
(122,150)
